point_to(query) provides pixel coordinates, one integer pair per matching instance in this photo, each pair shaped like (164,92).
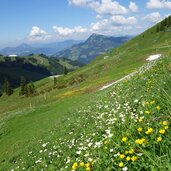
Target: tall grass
(126,127)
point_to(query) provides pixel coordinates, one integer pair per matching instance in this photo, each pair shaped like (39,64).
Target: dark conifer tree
(23,85)
(55,80)
(5,84)
(26,91)
(31,89)
(1,92)
(157,28)
(65,70)
(165,22)
(162,28)
(7,87)
(169,21)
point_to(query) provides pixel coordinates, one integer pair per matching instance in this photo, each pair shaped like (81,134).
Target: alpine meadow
(95,98)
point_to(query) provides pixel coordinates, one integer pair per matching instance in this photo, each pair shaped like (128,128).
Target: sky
(40,21)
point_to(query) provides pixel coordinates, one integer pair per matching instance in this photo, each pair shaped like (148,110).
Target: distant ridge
(95,45)
(33,67)
(47,49)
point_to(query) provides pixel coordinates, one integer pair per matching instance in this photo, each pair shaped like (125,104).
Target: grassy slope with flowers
(125,127)
(26,120)
(106,68)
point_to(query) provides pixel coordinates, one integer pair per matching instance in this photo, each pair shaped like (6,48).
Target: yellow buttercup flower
(162,131)
(126,152)
(122,156)
(158,107)
(128,158)
(74,166)
(166,127)
(133,158)
(147,112)
(140,141)
(146,132)
(152,102)
(87,165)
(140,119)
(150,130)
(82,164)
(159,139)
(124,139)
(137,141)
(139,129)
(131,151)
(121,164)
(165,123)
(88,168)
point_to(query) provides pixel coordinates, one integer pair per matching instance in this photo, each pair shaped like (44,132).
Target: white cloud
(112,25)
(158,4)
(111,7)
(115,25)
(84,3)
(79,2)
(133,6)
(99,17)
(124,21)
(100,25)
(153,17)
(101,7)
(37,34)
(65,31)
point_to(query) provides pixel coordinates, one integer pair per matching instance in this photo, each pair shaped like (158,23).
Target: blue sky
(33,21)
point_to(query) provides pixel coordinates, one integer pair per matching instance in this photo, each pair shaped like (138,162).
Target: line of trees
(164,24)
(6,88)
(26,89)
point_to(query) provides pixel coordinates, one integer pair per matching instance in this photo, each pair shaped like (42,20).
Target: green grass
(29,125)
(82,111)
(94,131)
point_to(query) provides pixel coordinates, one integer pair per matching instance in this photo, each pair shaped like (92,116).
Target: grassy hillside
(96,132)
(104,69)
(33,67)
(120,61)
(100,128)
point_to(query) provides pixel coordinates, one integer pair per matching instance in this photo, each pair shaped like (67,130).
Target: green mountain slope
(62,128)
(121,61)
(97,125)
(33,67)
(92,47)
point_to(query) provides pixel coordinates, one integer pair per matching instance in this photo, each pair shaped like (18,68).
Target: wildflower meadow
(125,127)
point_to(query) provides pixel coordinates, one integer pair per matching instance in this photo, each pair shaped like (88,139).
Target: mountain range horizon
(50,49)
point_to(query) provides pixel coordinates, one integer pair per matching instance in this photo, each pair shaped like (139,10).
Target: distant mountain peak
(25,49)
(95,45)
(96,35)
